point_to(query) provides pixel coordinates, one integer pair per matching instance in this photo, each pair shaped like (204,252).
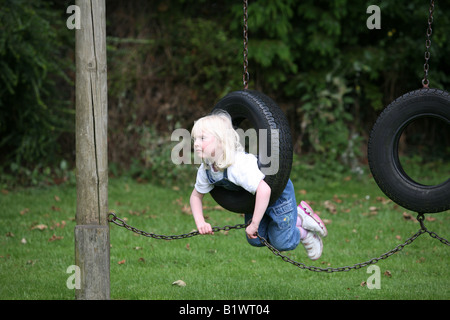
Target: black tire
(262,113)
(383,151)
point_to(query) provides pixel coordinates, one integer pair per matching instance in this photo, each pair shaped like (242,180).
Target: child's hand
(204,228)
(251,231)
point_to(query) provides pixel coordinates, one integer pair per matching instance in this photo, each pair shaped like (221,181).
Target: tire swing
(265,116)
(262,113)
(384,141)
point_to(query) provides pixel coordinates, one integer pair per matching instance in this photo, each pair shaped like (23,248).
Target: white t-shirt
(244,172)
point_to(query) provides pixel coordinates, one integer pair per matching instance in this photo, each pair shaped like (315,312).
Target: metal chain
(121,223)
(246,75)
(425,81)
(398,248)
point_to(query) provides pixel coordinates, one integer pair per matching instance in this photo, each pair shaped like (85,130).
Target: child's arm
(262,201)
(196,202)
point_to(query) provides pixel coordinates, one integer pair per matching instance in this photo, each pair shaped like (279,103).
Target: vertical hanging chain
(425,81)
(246,75)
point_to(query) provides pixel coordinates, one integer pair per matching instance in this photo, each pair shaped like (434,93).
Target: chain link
(121,223)
(425,81)
(246,75)
(432,234)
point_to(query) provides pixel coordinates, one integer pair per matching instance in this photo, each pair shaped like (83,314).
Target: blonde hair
(220,126)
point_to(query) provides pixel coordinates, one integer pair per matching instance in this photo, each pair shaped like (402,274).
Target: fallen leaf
(330,207)
(387,273)
(186,209)
(134,213)
(26,210)
(179,283)
(121,262)
(39,227)
(61,225)
(57,199)
(55,237)
(407,216)
(179,201)
(420,260)
(31,262)
(383,200)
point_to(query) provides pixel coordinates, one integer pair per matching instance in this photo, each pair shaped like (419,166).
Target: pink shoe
(310,220)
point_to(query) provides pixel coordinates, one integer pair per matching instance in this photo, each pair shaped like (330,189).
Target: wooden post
(92,231)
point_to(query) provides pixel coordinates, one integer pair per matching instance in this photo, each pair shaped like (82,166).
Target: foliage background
(170,61)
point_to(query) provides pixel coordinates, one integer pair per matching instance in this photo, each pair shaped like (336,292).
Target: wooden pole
(92,231)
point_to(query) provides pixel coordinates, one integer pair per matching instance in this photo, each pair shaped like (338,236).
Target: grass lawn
(37,247)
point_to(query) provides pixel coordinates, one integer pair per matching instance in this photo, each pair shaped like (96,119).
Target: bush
(34,108)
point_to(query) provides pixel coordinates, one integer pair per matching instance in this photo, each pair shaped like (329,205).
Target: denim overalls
(278,225)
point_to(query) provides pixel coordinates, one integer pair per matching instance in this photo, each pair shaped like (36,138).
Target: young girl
(282,224)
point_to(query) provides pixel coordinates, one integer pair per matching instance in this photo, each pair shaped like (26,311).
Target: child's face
(206,146)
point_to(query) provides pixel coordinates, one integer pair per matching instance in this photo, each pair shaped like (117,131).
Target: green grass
(223,266)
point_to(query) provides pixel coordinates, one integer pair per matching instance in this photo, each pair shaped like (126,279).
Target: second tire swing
(384,140)
(383,151)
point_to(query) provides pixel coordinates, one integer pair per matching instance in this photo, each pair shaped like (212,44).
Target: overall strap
(210,177)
